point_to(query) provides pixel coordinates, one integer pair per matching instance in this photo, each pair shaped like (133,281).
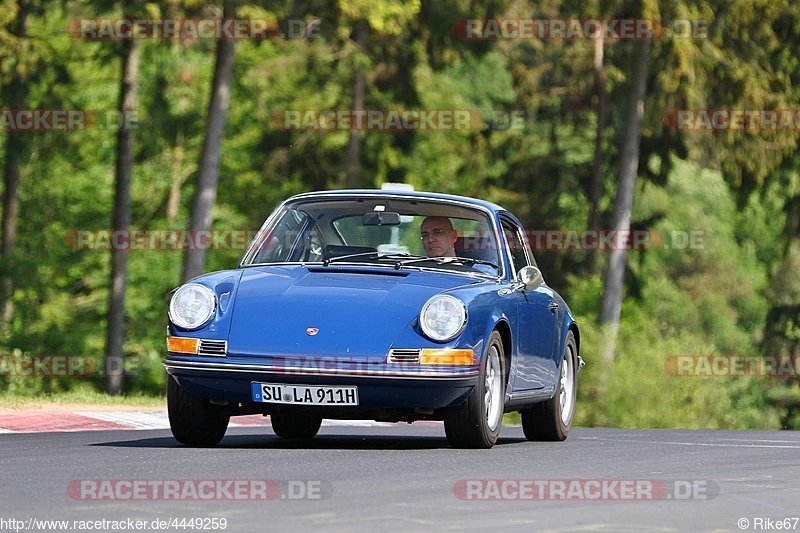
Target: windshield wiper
(405,259)
(372,255)
(444,260)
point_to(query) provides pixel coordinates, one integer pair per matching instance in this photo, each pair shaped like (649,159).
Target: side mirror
(530,278)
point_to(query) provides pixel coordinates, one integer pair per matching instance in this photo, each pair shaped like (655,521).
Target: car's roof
(383,192)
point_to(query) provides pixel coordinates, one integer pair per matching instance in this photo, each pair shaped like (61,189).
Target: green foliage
(702,301)
(637,391)
(384,17)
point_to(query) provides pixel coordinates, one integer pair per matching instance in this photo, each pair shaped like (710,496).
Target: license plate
(304,394)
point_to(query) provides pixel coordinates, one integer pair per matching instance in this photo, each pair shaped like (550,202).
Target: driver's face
(438,237)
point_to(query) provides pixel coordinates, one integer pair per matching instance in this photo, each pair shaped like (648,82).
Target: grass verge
(20,402)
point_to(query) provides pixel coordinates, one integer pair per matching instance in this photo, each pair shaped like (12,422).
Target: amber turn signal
(181,345)
(447,357)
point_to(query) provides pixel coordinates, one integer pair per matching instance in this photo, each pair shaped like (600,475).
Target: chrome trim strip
(401,356)
(331,372)
(530,395)
(202,343)
(510,258)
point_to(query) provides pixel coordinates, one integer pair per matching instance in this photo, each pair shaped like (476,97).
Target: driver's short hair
(435,217)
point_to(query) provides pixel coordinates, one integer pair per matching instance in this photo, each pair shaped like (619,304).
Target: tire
(194,421)
(477,421)
(290,425)
(552,420)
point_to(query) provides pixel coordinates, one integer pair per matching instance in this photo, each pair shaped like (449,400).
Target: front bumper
(380,386)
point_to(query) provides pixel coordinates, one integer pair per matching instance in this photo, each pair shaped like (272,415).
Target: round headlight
(443,317)
(192,305)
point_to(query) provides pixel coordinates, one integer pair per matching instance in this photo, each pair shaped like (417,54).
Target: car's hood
(358,312)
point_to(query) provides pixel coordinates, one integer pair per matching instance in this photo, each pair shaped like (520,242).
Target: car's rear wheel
(552,420)
(194,421)
(290,425)
(476,422)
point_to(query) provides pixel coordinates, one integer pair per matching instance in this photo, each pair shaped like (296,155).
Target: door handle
(553,307)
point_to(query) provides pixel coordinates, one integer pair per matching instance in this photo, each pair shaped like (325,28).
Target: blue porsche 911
(382,305)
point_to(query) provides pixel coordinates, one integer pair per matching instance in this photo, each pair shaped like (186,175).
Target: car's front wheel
(290,425)
(552,420)
(194,421)
(476,422)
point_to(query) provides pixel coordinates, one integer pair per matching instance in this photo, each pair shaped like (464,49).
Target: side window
(515,245)
(531,258)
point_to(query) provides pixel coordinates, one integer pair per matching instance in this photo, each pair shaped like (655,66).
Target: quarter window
(515,245)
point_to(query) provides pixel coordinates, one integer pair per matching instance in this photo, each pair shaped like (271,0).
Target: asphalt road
(408,478)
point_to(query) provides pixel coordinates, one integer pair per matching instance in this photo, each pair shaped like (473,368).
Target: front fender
(485,309)
(225,284)
(567,323)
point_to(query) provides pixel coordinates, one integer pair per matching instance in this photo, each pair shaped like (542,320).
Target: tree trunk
(629,164)
(782,340)
(17,95)
(596,183)
(177,178)
(353,168)
(206,193)
(782,331)
(121,219)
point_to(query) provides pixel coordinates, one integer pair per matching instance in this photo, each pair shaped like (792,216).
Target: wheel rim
(567,398)
(492,386)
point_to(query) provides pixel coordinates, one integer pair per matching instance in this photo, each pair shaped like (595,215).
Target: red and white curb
(39,422)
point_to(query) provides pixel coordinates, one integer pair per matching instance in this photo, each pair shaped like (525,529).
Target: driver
(438,237)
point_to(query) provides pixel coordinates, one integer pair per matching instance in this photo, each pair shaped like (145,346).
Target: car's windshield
(411,233)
